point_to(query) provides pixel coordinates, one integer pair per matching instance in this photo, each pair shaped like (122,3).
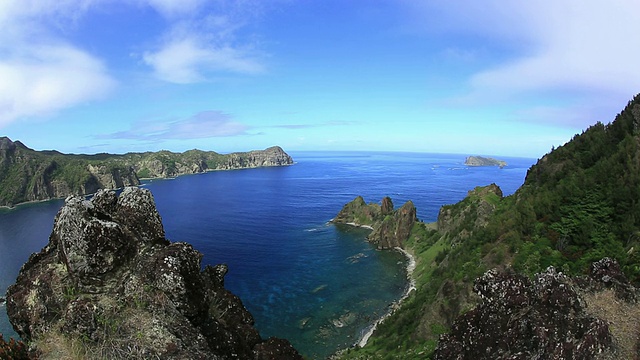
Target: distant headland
(484,161)
(28,175)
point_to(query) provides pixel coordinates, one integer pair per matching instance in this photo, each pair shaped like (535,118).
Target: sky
(491,77)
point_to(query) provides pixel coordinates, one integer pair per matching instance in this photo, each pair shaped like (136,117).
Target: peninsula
(484,161)
(29,175)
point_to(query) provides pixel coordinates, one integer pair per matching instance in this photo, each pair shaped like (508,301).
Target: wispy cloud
(205,42)
(191,59)
(310,126)
(40,72)
(582,49)
(206,124)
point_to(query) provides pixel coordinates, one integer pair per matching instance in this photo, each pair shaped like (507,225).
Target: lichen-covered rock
(110,281)
(523,319)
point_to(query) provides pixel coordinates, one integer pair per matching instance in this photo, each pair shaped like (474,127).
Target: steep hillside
(579,204)
(29,175)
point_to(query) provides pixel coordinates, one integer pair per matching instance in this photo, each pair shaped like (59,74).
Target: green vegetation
(29,175)
(579,203)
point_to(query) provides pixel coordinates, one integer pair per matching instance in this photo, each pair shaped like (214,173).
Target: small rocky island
(110,285)
(484,161)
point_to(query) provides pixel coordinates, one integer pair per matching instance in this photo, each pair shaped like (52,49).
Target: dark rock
(109,276)
(523,319)
(387,206)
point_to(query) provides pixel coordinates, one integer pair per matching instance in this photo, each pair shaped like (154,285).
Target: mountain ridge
(28,175)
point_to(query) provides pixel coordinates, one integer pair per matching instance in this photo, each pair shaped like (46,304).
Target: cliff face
(273,156)
(29,175)
(390,228)
(550,317)
(110,285)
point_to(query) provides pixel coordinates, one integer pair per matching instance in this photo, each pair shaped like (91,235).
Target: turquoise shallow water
(315,283)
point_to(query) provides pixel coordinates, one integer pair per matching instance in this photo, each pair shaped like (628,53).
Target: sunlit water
(314,283)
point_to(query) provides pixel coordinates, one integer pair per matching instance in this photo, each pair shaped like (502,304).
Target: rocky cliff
(390,228)
(552,316)
(110,285)
(29,175)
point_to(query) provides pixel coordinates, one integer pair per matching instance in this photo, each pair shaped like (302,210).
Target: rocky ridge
(110,285)
(544,318)
(29,175)
(390,227)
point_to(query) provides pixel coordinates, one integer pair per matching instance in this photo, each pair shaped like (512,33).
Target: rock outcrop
(544,318)
(390,228)
(110,285)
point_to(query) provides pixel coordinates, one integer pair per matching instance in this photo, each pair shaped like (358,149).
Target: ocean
(317,284)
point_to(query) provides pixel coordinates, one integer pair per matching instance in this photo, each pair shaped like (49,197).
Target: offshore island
(484,161)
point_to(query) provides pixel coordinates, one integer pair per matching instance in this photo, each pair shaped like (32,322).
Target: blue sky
(493,77)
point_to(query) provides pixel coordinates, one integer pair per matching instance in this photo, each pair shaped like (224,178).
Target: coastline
(411,286)
(411,265)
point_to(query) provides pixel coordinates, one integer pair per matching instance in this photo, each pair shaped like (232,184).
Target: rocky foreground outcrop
(550,317)
(110,285)
(390,227)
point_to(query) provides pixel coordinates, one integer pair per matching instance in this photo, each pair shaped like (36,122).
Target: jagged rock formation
(110,285)
(484,161)
(546,318)
(390,227)
(29,175)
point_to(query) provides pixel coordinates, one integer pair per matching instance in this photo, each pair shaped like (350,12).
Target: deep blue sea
(314,283)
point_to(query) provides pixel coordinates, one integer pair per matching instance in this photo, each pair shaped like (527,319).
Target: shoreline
(411,286)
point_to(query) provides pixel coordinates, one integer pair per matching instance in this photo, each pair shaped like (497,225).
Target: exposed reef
(390,227)
(110,285)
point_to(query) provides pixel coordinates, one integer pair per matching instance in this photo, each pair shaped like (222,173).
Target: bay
(314,283)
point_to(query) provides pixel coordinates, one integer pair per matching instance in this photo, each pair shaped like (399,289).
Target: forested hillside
(578,204)
(29,175)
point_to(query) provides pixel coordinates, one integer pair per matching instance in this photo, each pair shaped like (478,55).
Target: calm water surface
(316,284)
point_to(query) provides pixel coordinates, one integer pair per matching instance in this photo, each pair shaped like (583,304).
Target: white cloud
(582,53)
(189,60)
(49,78)
(41,74)
(175,8)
